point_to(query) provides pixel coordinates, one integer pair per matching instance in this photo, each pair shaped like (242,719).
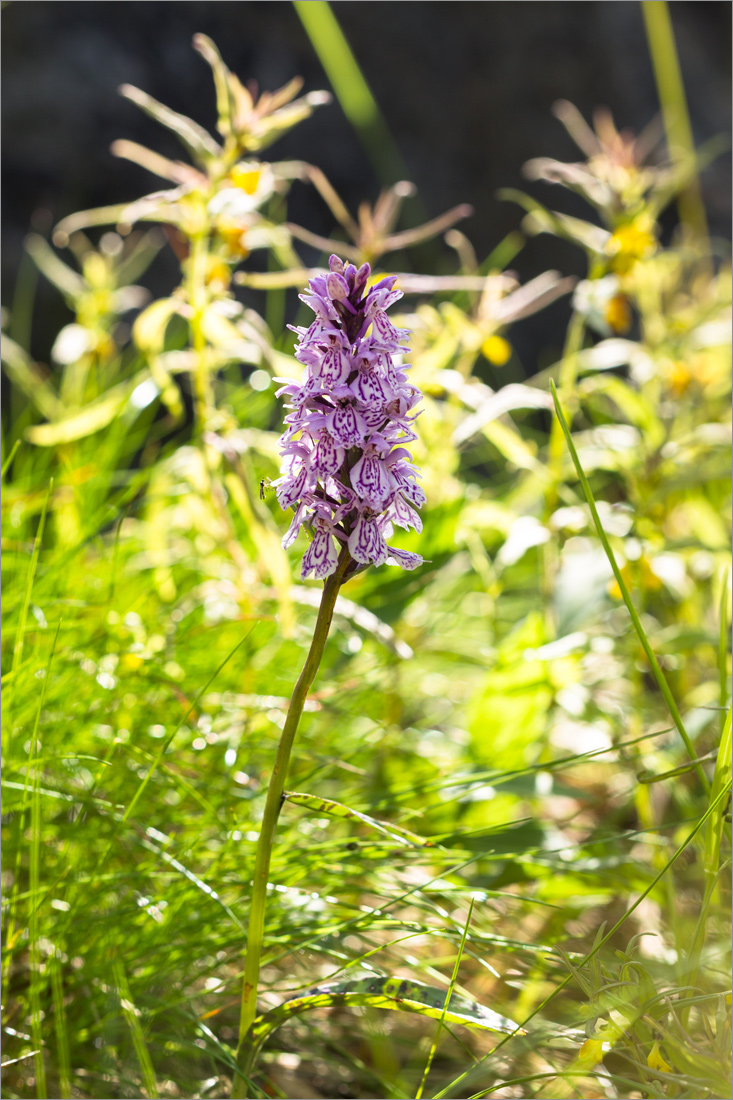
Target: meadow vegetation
(507,815)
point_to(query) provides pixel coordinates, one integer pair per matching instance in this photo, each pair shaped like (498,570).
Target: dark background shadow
(466,90)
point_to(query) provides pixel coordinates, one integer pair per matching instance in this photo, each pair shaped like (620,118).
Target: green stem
(198,301)
(567,381)
(352,90)
(651,658)
(670,87)
(255,935)
(566,386)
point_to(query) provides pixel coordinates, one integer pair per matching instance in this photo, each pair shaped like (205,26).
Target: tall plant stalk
(198,301)
(255,935)
(349,483)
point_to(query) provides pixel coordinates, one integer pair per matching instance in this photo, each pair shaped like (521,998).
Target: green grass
(127,873)
(507,819)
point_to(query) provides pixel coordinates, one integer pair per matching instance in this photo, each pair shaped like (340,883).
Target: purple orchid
(346,473)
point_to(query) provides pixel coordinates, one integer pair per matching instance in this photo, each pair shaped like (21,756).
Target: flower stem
(255,935)
(197,294)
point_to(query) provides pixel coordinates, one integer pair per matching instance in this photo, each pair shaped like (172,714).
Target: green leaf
(656,670)
(92,418)
(99,215)
(196,139)
(68,281)
(542,220)
(397,994)
(336,809)
(148,331)
(224,98)
(29,378)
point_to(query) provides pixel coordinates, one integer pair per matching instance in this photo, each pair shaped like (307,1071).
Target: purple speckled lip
(345,470)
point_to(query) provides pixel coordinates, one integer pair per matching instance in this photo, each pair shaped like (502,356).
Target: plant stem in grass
(663,50)
(641,633)
(198,300)
(255,933)
(567,384)
(203,391)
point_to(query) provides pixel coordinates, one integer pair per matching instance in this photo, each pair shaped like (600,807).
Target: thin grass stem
(671,90)
(449,994)
(655,667)
(351,88)
(600,943)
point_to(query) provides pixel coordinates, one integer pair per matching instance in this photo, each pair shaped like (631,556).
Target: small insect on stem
(264,486)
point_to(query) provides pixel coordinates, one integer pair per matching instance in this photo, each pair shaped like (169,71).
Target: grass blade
(448,996)
(62,1033)
(34,950)
(717,802)
(154,766)
(132,1019)
(7,463)
(658,674)
(20,636)
(660,36)
(723,645)
(336,809)
(350,87)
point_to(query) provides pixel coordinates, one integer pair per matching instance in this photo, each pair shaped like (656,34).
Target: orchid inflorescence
(346,472)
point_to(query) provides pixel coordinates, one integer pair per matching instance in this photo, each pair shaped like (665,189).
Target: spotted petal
(404,558)
(369,478)
(320,558)
(366,543)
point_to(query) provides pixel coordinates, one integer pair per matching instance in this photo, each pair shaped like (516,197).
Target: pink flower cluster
(345,470)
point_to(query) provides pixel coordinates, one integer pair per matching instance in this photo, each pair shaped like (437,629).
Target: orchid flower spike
(346,472)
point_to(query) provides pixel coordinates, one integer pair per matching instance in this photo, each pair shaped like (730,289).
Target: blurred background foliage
(497,711)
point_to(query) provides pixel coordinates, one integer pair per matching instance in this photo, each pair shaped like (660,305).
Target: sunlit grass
(511,789)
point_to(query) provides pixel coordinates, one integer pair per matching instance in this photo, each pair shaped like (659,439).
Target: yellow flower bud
(679,377)
(628,244)
(591,1051)
(497,350)
(219,272)
(130,662)
(655,1060)
(618,314)
(247,178)
(234,237)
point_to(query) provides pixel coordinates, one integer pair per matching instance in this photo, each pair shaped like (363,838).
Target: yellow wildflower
(497,350)
(618,314)
(234,238)
(591,1052)
(656,1061)
(628,244)
(246,177)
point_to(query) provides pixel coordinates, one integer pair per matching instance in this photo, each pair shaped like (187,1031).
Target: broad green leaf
(507,399)
(633,404)
(510,713)
(510,444)
(223,334)
(169,392)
